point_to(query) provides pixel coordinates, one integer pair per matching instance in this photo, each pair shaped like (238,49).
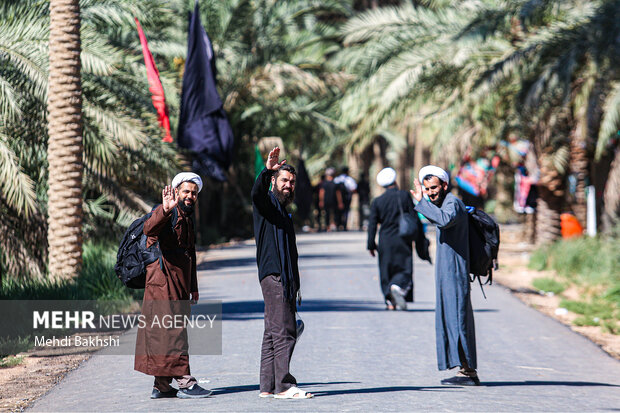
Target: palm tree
(274,78)
(64,148)
(567,69)
(125,161)
(471,72)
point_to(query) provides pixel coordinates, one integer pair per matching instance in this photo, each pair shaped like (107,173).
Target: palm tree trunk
(611,196)
(549,203)
(64,150)
(579,168)
(548,217)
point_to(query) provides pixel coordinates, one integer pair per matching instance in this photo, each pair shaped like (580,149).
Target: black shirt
(329,197)
(270,216)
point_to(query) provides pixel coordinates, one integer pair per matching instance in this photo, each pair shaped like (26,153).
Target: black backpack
(483,245)
(133,256)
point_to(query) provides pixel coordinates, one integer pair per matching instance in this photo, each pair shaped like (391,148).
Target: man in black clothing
(330,199)
(395,251)
(363,193)
(276,257)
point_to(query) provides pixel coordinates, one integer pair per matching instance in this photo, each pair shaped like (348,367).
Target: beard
(284,198)
(440,198)
(187,209)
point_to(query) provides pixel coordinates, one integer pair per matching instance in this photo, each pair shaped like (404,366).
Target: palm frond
(16,188)
(610,125)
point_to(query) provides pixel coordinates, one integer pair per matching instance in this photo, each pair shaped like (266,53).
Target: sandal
(265,395)
(294,393)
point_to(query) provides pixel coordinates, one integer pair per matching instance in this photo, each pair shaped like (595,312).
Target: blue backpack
(133,256)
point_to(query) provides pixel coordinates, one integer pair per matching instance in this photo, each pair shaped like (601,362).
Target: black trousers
(278,339)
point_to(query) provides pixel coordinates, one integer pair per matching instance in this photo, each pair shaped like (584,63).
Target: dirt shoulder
(21,385)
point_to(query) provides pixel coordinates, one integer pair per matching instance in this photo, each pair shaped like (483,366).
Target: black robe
(395,252)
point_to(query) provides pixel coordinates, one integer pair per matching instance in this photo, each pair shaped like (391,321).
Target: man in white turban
(395,249)
(386,177)
(170,285)
(186,202)
(454,317)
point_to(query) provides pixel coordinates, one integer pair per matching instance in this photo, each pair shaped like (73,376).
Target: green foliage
(539,259)
(549,285)
(465,74)
(125,160)
(586,321)
(97,281)
(592,264)
(97,287)
(11,361)
(589,261)
(597,312)
(275,79)
(597,308)
(611,326)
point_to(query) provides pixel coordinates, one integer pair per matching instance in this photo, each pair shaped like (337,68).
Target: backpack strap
(173,221)
(481,289)
(175,217)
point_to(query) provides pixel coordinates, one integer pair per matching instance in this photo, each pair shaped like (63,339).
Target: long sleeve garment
(395,252)
(169,281)
(276,248)
(454,317)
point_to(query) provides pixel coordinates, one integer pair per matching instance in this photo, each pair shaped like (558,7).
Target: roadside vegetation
(11,361)
(96,282)
(592,267)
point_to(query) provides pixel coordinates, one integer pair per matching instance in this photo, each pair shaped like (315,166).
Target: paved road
(357,357)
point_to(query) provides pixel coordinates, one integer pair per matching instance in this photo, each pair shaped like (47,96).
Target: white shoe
(398,294)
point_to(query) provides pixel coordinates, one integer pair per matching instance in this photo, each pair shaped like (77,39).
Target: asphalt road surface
(354,355)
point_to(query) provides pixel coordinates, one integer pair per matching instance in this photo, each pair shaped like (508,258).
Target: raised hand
(417,192)
(169,200)
(272,160)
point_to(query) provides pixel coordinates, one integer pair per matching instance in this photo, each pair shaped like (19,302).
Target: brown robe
(164,351)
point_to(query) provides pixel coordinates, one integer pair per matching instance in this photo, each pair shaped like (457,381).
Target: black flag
(203,125)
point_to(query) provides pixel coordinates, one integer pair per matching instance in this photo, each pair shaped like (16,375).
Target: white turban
(187,177)
(386,177)
(435,171)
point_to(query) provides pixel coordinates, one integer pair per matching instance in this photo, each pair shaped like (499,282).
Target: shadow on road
(248,310)
(246,261)
(383,390)
(226,263)
(253,310)
(255,387)
(547,383)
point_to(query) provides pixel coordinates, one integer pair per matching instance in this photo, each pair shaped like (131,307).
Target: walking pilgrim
(395,250)
(454,317)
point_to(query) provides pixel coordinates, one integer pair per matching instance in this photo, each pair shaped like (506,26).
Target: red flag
(155,86)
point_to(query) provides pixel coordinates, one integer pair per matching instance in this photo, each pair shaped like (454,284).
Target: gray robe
(454,317)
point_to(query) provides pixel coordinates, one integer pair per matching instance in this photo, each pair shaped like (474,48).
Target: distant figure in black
(348,187)
(330,199)
(395,251)
(363,194)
